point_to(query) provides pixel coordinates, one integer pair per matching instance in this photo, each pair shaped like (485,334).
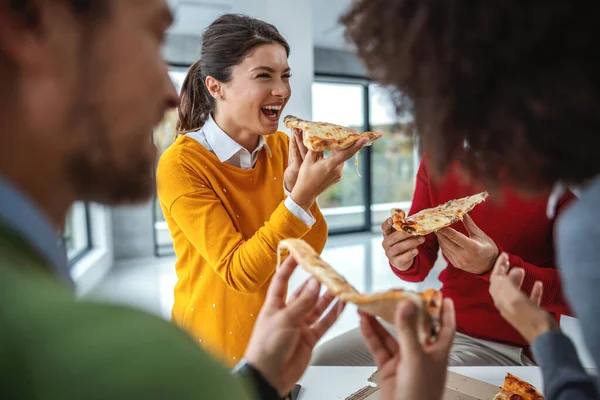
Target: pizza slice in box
(323,136)
(515,388)
(381,304)
(433,219)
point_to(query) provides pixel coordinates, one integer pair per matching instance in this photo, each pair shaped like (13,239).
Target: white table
(333,383)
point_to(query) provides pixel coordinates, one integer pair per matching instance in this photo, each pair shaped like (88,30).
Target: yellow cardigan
(226,223)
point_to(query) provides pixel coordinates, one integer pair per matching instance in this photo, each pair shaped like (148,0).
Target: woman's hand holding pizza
(297,153)
(317,173)
(475,253)
(400,247)
(522,312)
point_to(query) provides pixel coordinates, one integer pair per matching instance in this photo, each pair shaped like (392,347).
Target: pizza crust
(433,219)
(381,304)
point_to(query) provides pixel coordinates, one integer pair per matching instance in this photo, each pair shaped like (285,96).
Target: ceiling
(192,16)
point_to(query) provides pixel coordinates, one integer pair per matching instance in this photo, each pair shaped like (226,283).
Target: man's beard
(96,177)
(101,172)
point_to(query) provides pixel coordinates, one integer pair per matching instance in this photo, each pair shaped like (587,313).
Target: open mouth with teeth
(272,112)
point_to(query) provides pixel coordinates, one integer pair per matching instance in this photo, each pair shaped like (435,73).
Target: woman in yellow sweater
(231,186)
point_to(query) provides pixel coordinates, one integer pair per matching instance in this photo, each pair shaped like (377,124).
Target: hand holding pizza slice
(383,305)
(322,136)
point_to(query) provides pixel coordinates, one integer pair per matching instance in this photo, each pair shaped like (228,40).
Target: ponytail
(195,103)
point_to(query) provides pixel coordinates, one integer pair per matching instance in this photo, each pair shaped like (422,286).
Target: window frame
(365,154)
(89,245)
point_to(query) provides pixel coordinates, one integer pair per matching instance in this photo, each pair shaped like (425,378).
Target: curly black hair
(517,81)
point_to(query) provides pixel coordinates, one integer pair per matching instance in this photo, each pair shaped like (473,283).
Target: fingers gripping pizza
(381,304)
(433,219)
(322,136)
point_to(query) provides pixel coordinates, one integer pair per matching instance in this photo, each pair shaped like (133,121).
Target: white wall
(294,20)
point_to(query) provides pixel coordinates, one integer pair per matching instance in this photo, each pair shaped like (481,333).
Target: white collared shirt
(227,150)
(557,192)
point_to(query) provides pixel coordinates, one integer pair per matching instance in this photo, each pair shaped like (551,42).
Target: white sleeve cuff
(299,212)
(287,194)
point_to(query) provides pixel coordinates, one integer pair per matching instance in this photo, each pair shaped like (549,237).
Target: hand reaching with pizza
(522,312)
(318,173)
(285,334)
(400,247)
(409,369)
(297,153)
(475,253)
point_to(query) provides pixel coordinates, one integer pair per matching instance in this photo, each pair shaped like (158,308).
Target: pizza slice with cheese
(515,388)
(433,219)
(381,304)
(322,136)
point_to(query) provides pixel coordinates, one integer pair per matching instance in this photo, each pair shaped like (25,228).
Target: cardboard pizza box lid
(458,387)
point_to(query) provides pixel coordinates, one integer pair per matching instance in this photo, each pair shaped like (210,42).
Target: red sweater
(519,226)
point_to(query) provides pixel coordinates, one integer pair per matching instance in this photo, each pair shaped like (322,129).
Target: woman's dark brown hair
(517,81)
(225,44)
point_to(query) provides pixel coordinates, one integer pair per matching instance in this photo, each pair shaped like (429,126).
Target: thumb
(470,226)
(406,326)
(517,276)
(343,155)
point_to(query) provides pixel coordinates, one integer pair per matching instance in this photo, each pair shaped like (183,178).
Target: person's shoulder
(117,350)
(581,217)
(184,151)
(578,229)
(182,169)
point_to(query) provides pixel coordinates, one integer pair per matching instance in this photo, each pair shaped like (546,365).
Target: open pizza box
(458,387)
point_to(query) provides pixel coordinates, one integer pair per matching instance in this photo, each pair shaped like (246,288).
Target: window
(394,158)
(77,237)
(164,135)
(343,204)
(388,167)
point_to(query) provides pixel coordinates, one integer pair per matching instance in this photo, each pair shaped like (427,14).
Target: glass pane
(342,103)
(394,157)
(76,231)
(164,135)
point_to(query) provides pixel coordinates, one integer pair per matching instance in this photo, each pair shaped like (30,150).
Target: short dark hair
(225,44)
(517,81)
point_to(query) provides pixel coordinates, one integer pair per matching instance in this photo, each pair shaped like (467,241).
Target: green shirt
(54,347)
